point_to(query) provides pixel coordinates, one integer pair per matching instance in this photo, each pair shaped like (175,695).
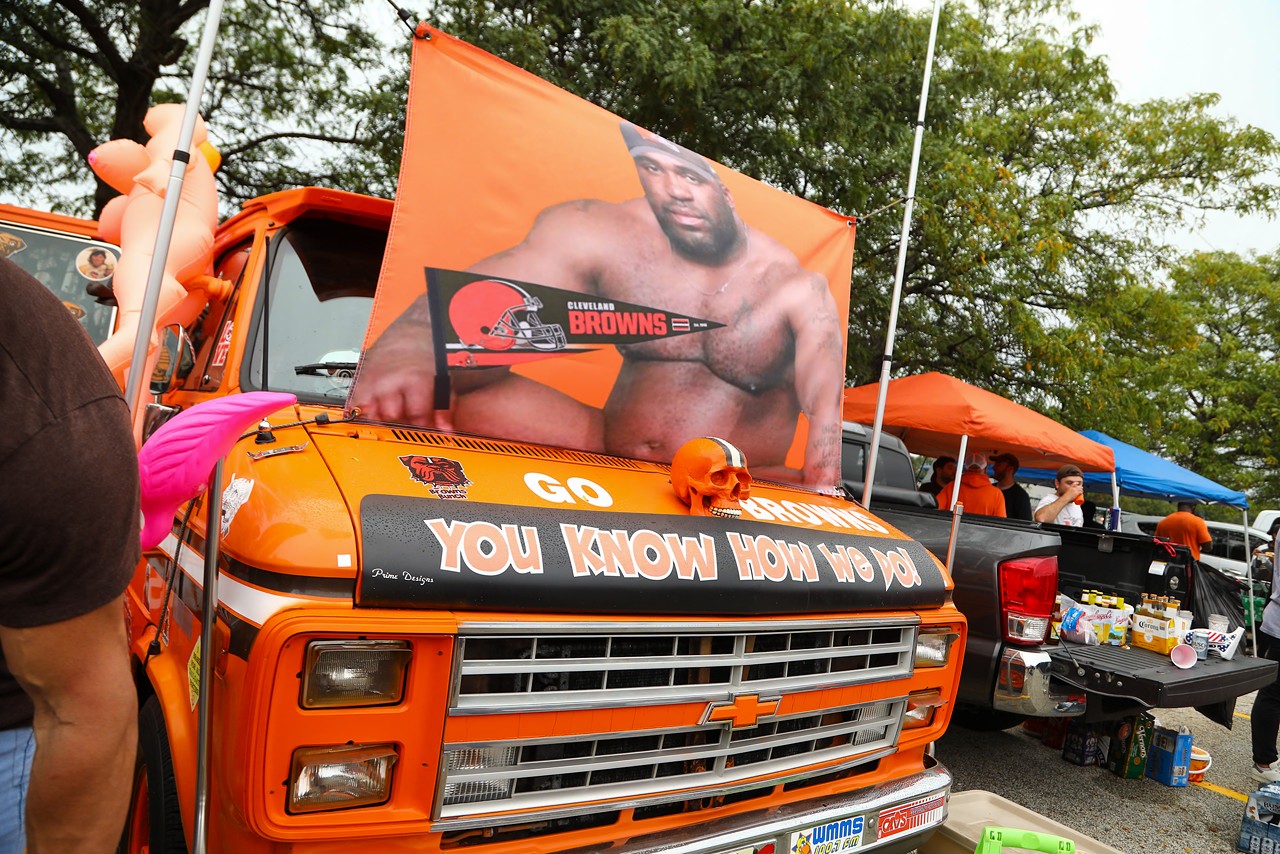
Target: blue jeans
(17,746)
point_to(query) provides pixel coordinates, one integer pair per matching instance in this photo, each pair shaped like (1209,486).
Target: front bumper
(1023,686)
(891,819)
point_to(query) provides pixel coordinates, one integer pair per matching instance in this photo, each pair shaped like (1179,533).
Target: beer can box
(1082,745)
(1260,827)
(1264,805)
(1130,741)
(1258,837)
(1169,760)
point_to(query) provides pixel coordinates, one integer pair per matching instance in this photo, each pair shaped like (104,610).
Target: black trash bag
(1215,592)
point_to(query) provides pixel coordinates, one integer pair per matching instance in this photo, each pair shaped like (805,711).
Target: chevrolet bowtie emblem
(742,712)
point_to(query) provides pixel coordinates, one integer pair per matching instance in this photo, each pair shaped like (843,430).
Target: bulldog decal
(443,476)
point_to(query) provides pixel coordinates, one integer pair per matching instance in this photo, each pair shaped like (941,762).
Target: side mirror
(177,357)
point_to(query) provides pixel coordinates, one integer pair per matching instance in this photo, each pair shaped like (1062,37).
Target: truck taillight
(1028,589)
(350,673)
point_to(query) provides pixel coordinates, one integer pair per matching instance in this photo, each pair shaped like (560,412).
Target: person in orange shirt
(977,493)
(1186,528)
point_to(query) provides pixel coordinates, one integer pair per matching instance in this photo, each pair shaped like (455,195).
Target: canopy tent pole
(169,214)
(1115,497)
(886,362)
(1248,574)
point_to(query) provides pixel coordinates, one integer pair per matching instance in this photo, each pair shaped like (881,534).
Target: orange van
(433,642)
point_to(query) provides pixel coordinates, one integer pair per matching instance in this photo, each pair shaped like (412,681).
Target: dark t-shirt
(1017,504)
(68,472)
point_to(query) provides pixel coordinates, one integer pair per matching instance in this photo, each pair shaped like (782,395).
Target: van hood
(454,522)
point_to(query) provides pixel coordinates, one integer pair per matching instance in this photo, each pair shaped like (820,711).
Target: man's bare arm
(77,674)
(1049,512)
(397,377)
(819,373)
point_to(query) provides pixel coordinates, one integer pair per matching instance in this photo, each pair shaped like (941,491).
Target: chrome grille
(564,667)
(660,664)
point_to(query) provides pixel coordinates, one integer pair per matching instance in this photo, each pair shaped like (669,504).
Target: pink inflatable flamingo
(177,461)
(133,219)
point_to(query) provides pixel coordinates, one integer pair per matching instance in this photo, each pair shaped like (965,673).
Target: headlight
(344,673)
(330,778)
(474,774)
(933,647)
(921,706)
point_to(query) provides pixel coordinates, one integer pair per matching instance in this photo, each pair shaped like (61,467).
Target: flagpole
(169,214)
(133,396)
(886,362)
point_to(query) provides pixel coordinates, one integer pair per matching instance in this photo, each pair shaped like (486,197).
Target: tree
(1038,266)
(1220,375)
(300,91)
(1042,198)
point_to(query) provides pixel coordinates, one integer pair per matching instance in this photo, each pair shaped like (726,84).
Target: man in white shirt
(1063,507)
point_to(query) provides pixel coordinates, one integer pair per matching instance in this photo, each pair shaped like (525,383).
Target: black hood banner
(436,553)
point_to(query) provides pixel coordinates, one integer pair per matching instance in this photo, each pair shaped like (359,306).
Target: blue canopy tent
(1145,475)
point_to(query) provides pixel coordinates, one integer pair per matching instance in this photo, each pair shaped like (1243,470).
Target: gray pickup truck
(1007,574)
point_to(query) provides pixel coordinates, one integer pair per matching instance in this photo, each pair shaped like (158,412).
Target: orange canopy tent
(931,412)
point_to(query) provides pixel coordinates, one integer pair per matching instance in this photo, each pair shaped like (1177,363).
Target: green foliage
(1037,264)
(299,92)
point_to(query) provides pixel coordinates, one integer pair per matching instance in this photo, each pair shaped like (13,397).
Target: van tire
(154,818)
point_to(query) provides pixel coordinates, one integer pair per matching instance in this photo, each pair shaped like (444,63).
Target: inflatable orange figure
(131,220)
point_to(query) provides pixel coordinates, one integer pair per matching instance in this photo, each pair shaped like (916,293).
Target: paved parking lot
(1136,816)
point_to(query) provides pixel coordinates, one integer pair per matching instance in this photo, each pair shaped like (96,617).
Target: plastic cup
(1079,500)
(1218,623)
(1183,656)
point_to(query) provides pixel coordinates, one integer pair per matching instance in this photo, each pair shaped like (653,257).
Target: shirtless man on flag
(681,246)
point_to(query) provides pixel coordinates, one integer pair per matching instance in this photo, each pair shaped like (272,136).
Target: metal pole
(951,542)
(1248,574)
(173,191)
(955,488)
(886,362)
(208,621)
(1115,498)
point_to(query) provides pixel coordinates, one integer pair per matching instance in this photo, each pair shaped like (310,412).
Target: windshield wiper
(324,369)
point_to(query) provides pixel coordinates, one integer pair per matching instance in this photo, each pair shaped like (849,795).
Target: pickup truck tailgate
(1152,680)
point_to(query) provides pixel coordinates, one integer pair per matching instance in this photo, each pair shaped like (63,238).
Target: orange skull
(710,475)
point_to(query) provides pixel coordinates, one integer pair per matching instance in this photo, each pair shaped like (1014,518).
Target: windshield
(66,264)
(318,297)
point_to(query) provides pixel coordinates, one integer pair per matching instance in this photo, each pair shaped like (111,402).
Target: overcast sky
(1170,48)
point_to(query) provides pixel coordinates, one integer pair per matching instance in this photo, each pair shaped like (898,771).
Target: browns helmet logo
(442,474)
(495,315)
